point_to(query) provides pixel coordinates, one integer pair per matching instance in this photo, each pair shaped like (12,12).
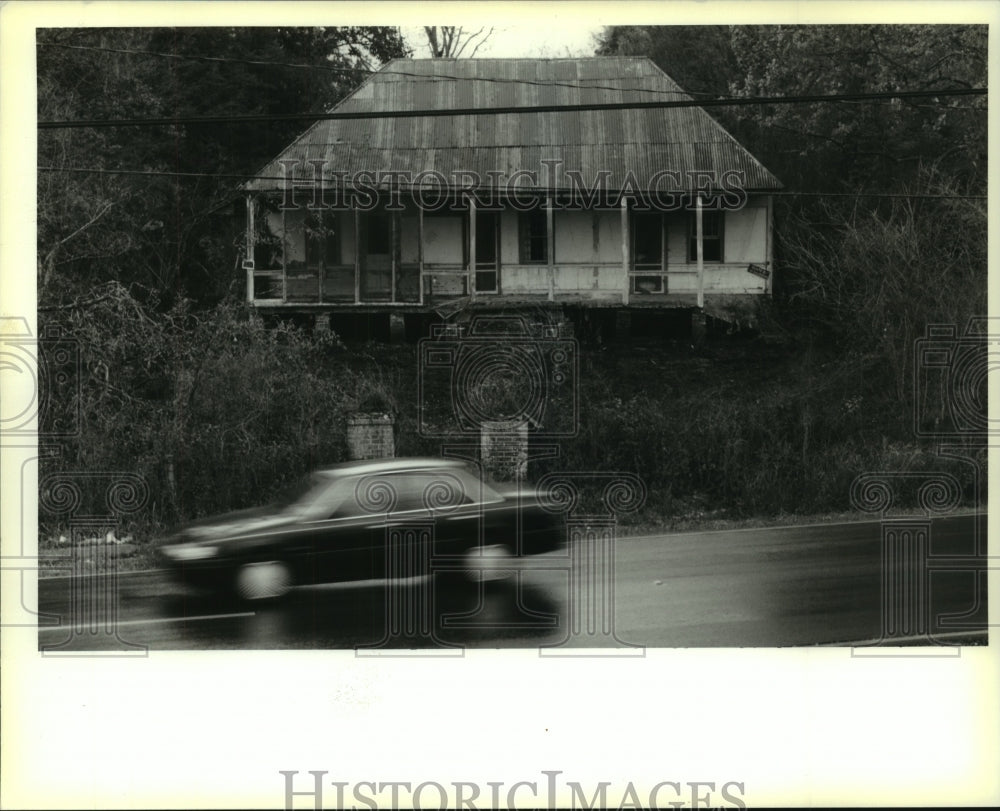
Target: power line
(248,176)
(437,77)
(157,173)
(478,111)
(202,58)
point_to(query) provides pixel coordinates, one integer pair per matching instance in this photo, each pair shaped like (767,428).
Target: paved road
(771,587)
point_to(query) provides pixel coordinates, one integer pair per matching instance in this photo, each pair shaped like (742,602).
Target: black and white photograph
(554,377)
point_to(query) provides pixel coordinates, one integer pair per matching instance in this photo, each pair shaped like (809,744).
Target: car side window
(442,490)
(426,490)
(479,491)
(382,493)
(338,501)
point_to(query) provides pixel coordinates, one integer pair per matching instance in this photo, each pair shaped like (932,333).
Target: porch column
(248,262)
(550,243)
(393,252)
(769,213)
(472,246)
(701,251)
(420,249)
(321,270)
(357,254)
(625,249)
(284,257)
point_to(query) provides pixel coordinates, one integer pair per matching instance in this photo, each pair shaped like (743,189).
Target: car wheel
(488,563)
(263,580)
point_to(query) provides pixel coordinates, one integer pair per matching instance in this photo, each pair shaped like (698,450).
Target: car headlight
(190,551)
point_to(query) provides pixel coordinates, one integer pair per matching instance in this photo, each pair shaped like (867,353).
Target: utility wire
(436,77)
(237,176)
(479,111)
(577,85)
(201,58)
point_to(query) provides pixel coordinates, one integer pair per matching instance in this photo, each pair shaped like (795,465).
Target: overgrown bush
(217,411)
(210,407)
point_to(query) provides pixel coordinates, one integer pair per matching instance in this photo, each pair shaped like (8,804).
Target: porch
(409,258)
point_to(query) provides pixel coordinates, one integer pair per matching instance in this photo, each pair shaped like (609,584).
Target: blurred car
(377,519)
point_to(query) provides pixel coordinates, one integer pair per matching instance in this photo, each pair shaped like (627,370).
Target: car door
(462,507)
(405,539)
(346,535)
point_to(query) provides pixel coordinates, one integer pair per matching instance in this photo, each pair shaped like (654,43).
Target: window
(711,232)
(534,237)
(322,239)
(647,240)
(412,490)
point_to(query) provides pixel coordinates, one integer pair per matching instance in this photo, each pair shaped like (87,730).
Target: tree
(450,41)
(876,145)
(871,278)
(827,146)
(164,232)
(699,58)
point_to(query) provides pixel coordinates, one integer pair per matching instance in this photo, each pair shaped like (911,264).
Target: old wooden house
(444,187)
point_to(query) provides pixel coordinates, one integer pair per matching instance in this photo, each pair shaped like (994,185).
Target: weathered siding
(524,279)
(443,239)
(587,259)
(508,237)
(719,278)
(588,236)
(592,279)
(746,235)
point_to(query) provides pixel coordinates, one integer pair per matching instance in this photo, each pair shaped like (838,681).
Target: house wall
(587,248)
(588,255)
(745,237)
(745,241)
(588,236)
(444,237)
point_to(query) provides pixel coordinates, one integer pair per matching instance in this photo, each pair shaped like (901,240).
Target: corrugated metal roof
(637,142)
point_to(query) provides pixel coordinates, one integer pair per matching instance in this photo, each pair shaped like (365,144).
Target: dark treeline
(184,386)
(169,235)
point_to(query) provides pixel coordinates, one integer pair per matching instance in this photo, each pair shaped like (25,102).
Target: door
(487,252)
(376,256)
